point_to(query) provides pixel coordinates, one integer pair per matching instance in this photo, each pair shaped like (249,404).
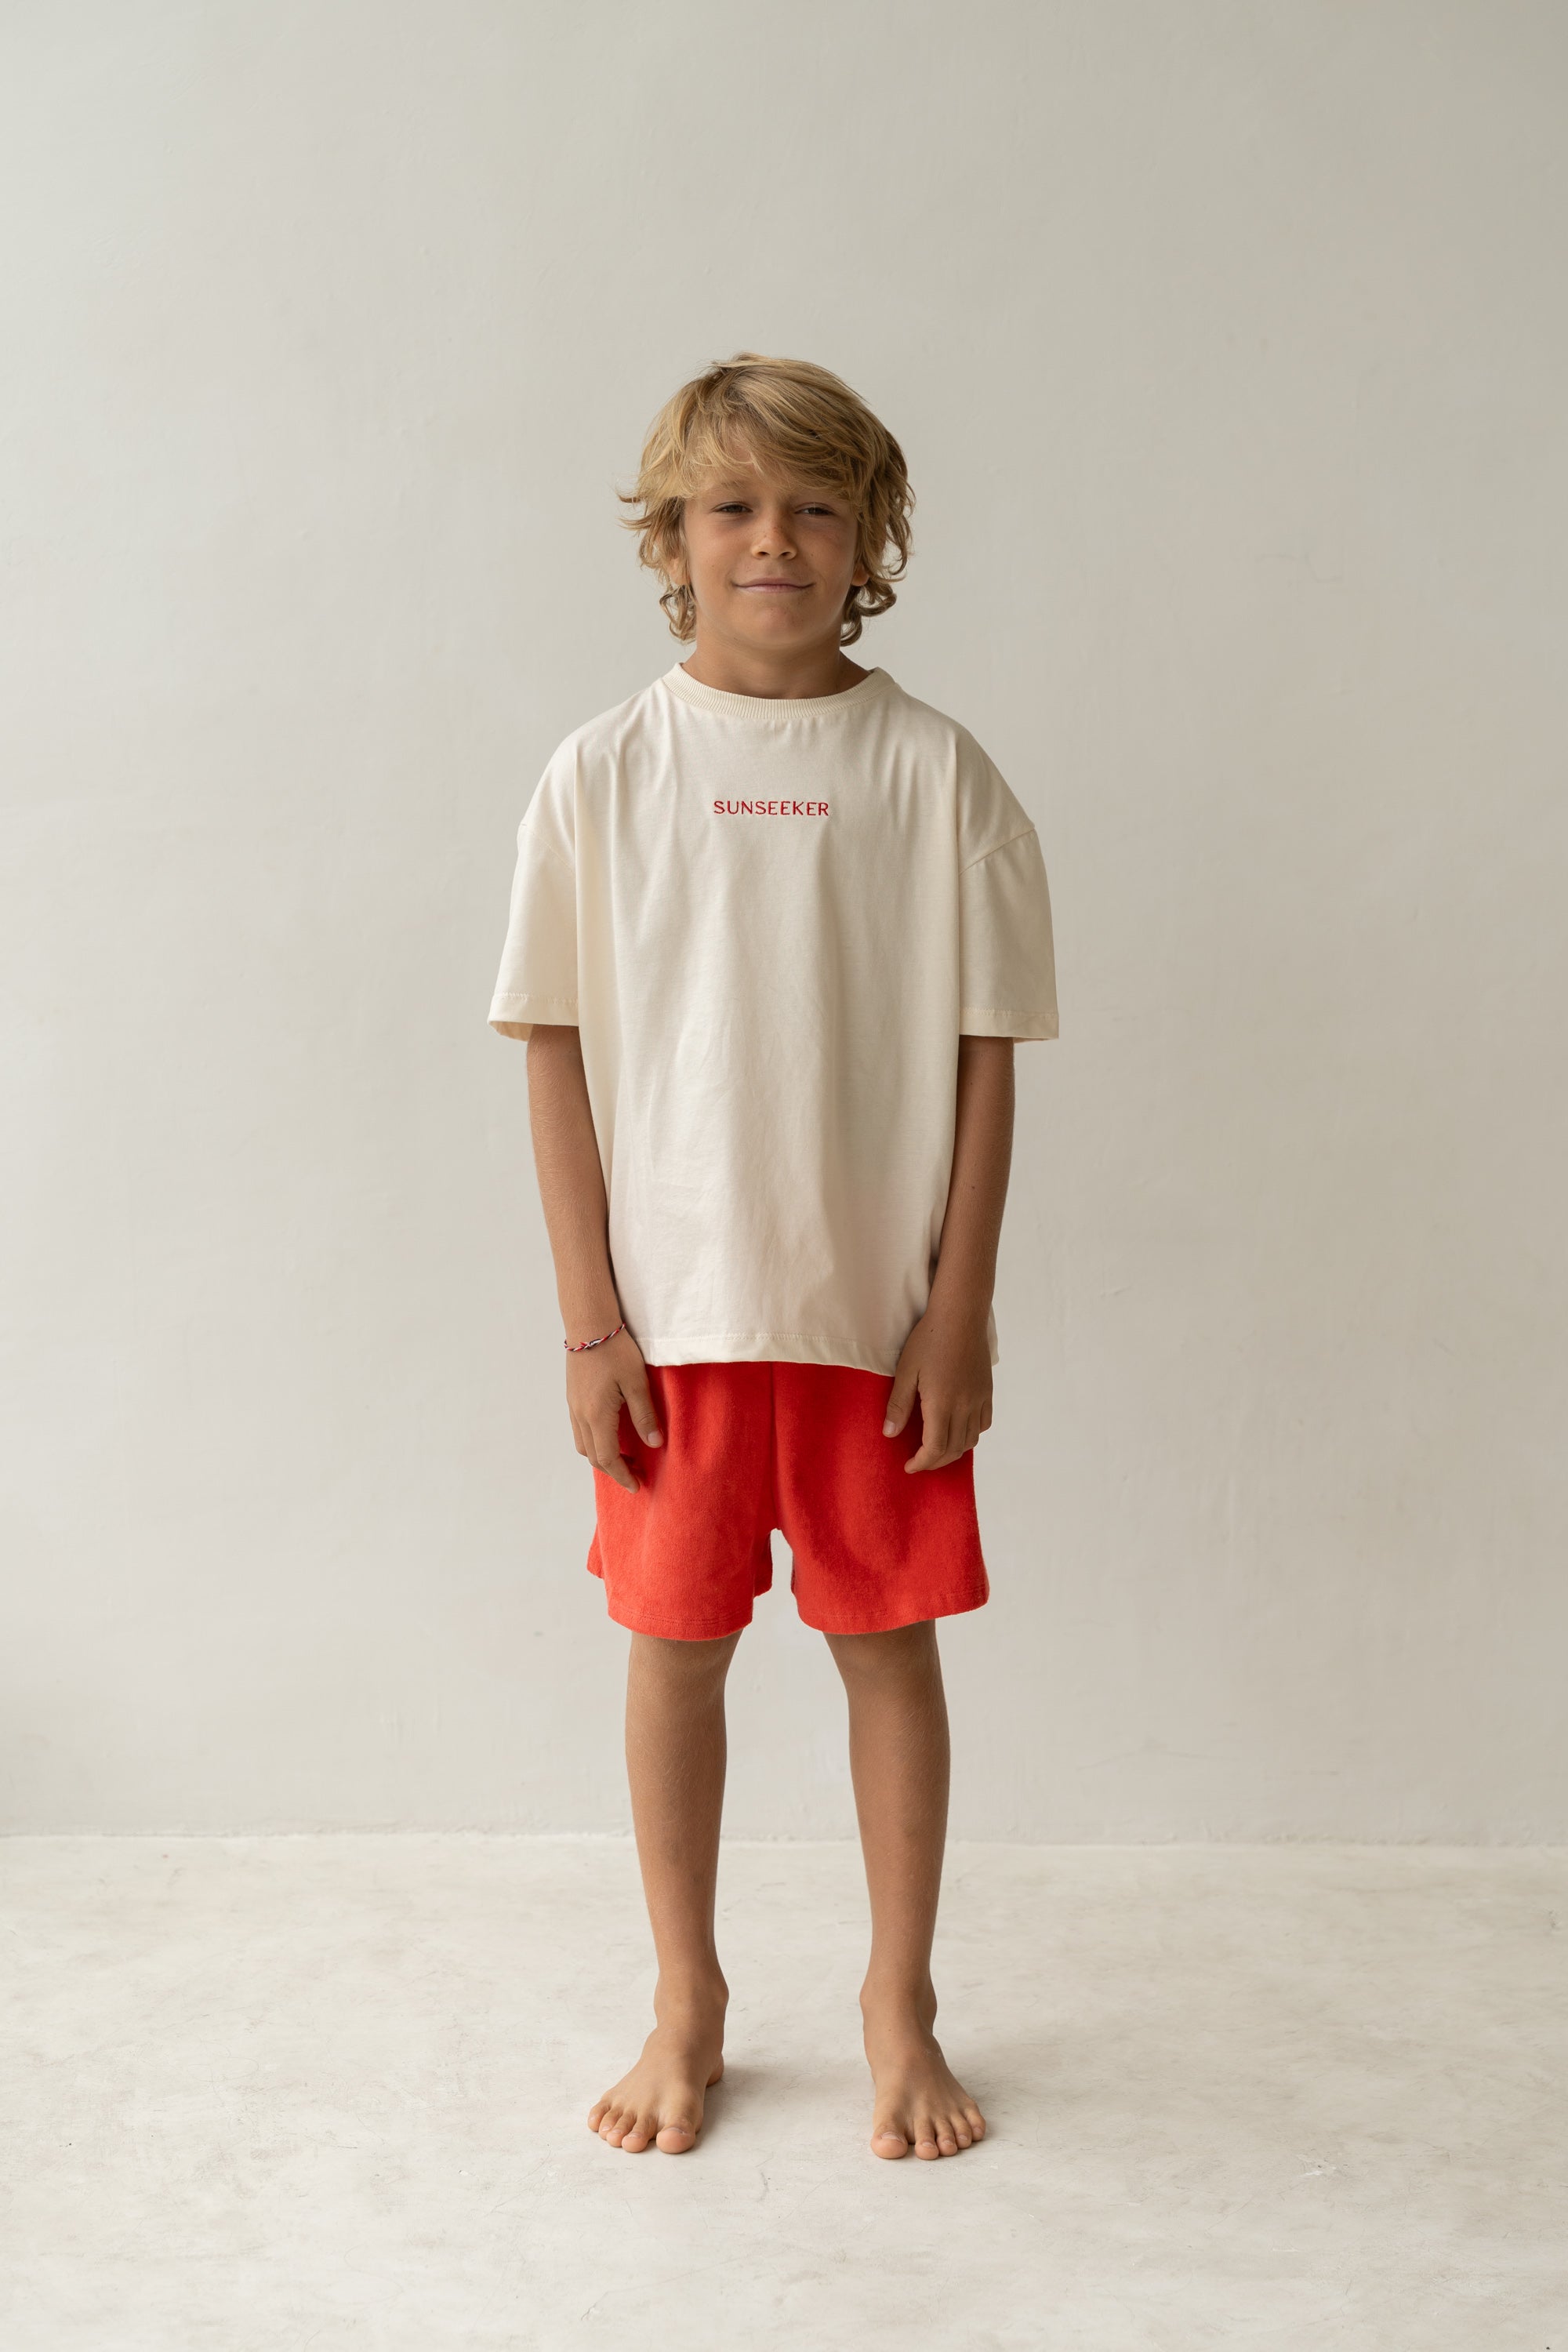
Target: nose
(774,533)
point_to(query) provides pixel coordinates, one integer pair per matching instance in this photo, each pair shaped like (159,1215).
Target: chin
(770,620)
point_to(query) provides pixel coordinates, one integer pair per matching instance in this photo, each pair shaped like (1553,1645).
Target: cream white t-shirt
(771,920)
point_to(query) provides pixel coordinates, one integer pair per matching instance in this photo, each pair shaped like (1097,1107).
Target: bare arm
(576,1216)
(946,1360)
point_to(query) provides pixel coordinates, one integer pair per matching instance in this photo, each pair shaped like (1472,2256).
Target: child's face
(745,534)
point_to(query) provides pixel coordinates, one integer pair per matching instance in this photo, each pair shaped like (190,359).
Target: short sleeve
(538,976)
(1007,978)
(1007,973)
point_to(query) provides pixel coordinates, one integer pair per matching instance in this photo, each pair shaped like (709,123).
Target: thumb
(901,1402)
(639,1405)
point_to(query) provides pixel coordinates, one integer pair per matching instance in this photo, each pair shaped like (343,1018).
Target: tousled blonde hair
(785,416)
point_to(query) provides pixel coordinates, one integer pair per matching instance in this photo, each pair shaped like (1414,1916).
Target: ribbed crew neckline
(777,706)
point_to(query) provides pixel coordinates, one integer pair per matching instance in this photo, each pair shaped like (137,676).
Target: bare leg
(899,1757)
(675,1764)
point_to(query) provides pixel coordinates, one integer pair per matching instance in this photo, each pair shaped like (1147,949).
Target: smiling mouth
(795,587)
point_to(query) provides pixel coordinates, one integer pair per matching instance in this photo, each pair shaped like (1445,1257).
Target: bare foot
(921,2103)
(659,2103)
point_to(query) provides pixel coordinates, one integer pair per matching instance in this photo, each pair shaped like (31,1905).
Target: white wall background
(1227,342)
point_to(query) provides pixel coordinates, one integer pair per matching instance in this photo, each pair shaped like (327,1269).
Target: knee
(906,1653)
(694,1666)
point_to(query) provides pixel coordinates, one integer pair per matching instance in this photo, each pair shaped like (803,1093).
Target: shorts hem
(761,1581)
(891,1620)
(671,1632)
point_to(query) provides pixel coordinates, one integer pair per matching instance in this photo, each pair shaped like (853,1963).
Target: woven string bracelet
(576,1348)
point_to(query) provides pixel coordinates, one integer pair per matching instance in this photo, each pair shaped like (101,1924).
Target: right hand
(599,1380)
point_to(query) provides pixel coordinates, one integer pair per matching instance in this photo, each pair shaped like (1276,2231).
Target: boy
(774,928)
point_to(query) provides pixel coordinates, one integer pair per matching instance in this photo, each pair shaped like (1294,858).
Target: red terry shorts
(751,1447)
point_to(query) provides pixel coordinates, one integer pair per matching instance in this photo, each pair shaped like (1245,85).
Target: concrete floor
(298,2093)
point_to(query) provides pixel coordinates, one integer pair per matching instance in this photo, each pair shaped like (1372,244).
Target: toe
(925,2138)
(976,2122)
(676,2139)
(637,2135)
(597,2113)
(945,2140)
(888,2142)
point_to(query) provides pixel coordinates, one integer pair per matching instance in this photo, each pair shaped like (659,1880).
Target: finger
(639,1405)
(964,1430)
(604,1452)
(899,1403)
(933,1452)
(618,1468)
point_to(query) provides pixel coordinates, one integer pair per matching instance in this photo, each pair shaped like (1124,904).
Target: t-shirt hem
(514,1016)
(989,1020)
(772,1348)
(762,1347)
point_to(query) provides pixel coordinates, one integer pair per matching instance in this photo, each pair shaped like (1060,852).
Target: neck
(786,676)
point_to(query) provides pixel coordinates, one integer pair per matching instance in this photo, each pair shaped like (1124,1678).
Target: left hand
(946,1363)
